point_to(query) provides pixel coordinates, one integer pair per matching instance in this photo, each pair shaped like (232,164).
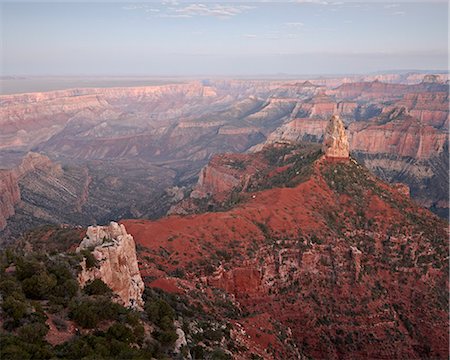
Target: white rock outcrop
(181,341)
(115,251)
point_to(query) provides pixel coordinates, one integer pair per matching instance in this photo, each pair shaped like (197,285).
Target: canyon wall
(10,195)
(147,139)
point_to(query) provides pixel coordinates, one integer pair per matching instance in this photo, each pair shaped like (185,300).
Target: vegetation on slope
(41,301)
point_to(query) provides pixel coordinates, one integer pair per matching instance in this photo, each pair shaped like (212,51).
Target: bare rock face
(115,252)
(335,142)
(9,182)
(9,196)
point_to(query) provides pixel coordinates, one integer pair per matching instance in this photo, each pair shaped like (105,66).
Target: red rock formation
(430,108)
(239,281)
(375,90)
(323,106)
(29,119)
(223,174)
(341,256)
(405,136)
(402,137)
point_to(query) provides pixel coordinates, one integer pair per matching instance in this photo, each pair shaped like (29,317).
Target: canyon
(340,263)
(135,152)
(294,250)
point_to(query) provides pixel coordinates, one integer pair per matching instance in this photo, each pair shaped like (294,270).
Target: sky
(221,38)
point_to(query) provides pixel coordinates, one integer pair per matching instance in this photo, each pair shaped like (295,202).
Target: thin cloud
(399,13)
(319,2)
(176,16)
(134,7)
(250,36)
(173,9)
(391,6)
(145,8)
(294,24)
(215,10)
(170,2)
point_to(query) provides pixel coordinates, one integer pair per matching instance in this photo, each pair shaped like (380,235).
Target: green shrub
(198,352)
(120,332)
(8,286)
(219,354)
(15,307)
(97,287)
(27,267)
(62,293)
(160,313)
(33,333)
(14,348)
(91,261)
(88,312)
(166,337)
(39,285)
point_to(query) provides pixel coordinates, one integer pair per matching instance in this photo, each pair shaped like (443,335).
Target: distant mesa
(335,141)
(431,79)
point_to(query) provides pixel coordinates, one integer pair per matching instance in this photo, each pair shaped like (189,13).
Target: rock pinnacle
(335,142)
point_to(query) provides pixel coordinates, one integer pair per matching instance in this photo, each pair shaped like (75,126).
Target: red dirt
(168,285)
(289,255)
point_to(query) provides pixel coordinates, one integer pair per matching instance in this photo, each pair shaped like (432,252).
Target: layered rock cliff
(430,108)
(130,144)
(395,145)
(117,267)
(10,194)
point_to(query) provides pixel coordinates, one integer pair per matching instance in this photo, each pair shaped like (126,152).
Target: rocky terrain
(134,152)
(337,262)
(295,251)
(402,140)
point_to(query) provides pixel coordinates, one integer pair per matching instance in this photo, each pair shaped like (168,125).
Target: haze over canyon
(227,219)
(92,155)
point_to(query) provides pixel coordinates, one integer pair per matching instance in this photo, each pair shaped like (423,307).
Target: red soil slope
(346,266)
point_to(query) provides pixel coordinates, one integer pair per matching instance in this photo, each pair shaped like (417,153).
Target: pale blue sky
(221,38)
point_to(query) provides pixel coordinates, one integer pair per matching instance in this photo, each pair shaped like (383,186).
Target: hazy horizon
(183,38)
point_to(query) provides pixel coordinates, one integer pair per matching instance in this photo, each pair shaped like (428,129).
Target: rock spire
(335,142)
